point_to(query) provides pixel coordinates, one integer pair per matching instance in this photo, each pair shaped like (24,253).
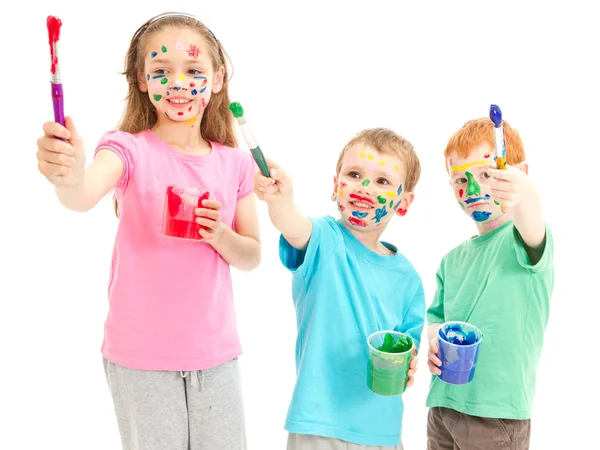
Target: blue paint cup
(459,349)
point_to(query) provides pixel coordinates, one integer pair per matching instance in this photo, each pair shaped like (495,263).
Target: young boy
(346,285)
(501,282)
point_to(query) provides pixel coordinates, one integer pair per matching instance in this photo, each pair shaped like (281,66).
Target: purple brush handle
(57,103)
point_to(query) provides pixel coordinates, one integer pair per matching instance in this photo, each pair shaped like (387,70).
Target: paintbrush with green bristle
(257,154)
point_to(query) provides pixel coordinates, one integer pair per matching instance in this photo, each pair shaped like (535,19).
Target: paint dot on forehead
(486,156)
(164,81)
(153,54)
(396,168)
(179,47)
(370,156)
(382,163)
(164,49)
(362,155)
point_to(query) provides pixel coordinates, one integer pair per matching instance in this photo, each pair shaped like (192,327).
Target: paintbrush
(499,145)
(54,25)
(257,154)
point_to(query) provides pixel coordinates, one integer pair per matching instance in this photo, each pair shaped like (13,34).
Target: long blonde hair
(140,114)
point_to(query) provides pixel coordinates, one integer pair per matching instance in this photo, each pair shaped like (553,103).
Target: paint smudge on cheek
(462,205)
(402,212)
(359,214)
(461,192)
(147,77)
(342,208)
(380,213)
(164,81)
(164,49)
(179,47)
(496,203)
(194,92)
(381,200)
(157,97)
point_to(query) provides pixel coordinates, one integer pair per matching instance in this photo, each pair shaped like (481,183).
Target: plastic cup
(459,350)
(179,220)
(387,372)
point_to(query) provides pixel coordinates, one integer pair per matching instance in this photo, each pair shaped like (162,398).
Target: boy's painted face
(178,74)
(469,179)
(369,188)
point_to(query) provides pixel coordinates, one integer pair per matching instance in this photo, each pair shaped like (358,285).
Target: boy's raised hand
(434,362)
(275,189)
(508,187)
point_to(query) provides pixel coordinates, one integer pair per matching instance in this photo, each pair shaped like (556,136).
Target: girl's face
(178,74)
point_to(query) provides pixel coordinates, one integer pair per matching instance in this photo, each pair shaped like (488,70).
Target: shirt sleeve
(545,262)
(246,178)
(435,313)
(124,146)
(414,318)
(324,238)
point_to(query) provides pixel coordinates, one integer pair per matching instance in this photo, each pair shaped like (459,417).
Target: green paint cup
(389,360)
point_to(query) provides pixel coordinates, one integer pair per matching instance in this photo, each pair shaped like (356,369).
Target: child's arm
(412,324)
(513,188)
(239,246)
(435,318)
(63,164)
(277,191)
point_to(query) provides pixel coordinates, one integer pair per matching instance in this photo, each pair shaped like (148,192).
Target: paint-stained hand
(275,189)
(412,369)
(209,218)
(434,362)
(61,156)
(508,187)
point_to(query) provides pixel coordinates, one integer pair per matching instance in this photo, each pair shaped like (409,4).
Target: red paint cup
(179,220)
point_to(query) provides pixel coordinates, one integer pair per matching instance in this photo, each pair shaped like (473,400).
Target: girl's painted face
(369,188)
(469,179)
(178,74)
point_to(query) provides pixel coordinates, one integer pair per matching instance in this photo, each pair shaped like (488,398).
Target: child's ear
(142,82)
(335,189)
(407,199)
(523,166)
(218,81)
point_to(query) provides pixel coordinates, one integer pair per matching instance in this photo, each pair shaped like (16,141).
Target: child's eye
(355,175)
(485,175)
(160,71)
(194,72)
(383,181)
(461,181)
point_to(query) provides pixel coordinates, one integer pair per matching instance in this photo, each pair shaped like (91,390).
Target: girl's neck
(182,136)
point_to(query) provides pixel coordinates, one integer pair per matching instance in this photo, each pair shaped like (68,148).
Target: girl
(170,342)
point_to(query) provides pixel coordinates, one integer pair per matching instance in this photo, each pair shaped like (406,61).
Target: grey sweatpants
(312,442)
(161,410)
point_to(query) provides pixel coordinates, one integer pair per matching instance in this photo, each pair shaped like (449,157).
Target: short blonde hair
(388,142)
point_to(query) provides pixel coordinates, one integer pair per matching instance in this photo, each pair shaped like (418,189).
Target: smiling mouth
(477,205)
(179,102)
(361,202)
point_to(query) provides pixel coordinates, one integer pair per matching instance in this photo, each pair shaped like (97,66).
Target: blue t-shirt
(343,292)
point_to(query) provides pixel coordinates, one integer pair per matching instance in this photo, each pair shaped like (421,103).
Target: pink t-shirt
(170,300)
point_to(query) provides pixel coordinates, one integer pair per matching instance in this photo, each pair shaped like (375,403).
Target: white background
(310,75)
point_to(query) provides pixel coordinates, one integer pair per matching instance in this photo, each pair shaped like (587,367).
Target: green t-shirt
(489,282)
